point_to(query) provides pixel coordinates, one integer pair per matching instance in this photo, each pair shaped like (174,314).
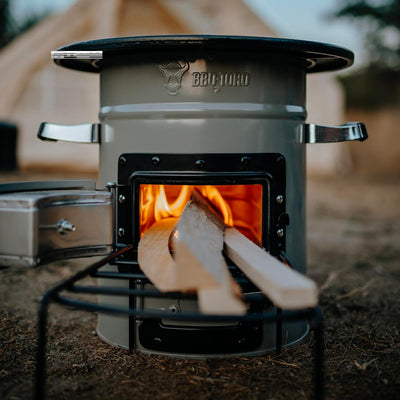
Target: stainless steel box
(39,226)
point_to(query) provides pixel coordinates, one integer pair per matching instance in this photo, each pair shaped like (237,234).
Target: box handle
(331,134)
(84,133)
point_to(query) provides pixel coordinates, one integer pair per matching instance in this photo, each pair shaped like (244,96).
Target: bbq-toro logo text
(217,80)
(174,71)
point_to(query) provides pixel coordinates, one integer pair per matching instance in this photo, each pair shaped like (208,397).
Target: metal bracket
(331,134)
(84,133)
(77,55)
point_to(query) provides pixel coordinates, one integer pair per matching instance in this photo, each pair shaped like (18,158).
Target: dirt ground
(353,255)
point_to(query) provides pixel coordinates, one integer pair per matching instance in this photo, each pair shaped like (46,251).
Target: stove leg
(318,373)
(40,376)
(278,334)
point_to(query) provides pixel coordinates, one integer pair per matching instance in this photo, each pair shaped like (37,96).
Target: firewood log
(217,294)
(155,259)
(198,241)
(285,287)
(198,238)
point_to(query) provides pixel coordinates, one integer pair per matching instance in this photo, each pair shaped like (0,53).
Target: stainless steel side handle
(85,133)
(330,134)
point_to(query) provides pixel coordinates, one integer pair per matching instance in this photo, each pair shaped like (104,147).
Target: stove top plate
(314,56)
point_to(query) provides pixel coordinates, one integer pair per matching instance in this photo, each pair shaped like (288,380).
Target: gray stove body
(259,108)
(196,106)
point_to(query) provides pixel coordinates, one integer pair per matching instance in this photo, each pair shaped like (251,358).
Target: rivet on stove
(200,163)
(111,185)
(279,199)
(122,161)
(121,232)
(157,341)
(121,199)
(173,308)
(280,232)
(155,161)
(245,160)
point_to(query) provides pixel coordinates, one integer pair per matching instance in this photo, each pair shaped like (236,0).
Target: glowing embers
(239,206)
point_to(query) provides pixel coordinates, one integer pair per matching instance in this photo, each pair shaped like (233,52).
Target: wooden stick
(285,287)
(217,293)
(198,242)
(155,259)
(198,239)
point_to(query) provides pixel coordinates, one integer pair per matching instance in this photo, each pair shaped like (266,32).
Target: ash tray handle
(331,134)
(84,133)
(63,226)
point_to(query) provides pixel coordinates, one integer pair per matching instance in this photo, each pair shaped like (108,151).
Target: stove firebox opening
(242,188)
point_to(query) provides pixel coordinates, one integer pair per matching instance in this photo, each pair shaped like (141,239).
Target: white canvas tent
(34,90)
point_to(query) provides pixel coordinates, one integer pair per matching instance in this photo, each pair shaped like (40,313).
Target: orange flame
(238,205)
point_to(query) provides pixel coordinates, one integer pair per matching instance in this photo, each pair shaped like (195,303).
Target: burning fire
(239,206)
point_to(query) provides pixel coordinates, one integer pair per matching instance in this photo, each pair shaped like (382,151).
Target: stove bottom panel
(239,338)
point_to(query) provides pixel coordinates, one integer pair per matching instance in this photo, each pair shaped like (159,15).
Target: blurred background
(353,197)
(34,90)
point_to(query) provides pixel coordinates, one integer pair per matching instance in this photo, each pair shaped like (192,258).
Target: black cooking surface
(314,56)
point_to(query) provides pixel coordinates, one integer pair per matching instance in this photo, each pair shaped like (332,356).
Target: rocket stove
(222,115)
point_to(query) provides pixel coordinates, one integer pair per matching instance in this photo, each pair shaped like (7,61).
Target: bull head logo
(173,73)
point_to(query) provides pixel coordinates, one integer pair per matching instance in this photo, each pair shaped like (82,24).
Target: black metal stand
(313,315)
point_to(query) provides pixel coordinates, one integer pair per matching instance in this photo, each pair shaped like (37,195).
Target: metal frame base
(312,315)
